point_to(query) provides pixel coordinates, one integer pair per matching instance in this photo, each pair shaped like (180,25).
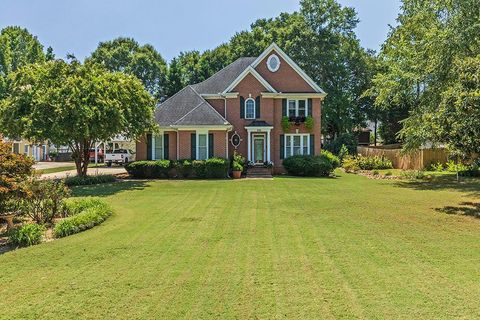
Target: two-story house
(241,108)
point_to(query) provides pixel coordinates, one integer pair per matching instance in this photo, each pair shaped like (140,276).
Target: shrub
(184,168)
(334,160)
(27,235)
(89,180)
(76,206)
(413,174)
(43,199)
(91,213)
(14,169)
(352,164)
(309,166)
(436,167)
(455,167)
(216,168)
(376,172)
(348,139)
(389,173)
(199,168)
(149,169)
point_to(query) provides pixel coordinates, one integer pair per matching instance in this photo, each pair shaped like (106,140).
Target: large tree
(321,39)
(75,105)
(128,56)
(17,48)
(426,59)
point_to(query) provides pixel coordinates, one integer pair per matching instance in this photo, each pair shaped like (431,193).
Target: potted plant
(237,170)
(238,162)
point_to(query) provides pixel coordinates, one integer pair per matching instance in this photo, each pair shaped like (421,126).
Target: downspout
(178,146)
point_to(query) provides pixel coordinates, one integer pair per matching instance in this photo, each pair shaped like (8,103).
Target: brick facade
(284,80)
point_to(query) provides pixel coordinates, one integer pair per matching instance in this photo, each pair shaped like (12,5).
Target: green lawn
(291,248)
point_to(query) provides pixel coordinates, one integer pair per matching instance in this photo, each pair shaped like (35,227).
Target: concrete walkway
(91,172)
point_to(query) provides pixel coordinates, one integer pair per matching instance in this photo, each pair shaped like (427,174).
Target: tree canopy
(128,56)
(320,38)
(17,48)
(76,105)
(426,62)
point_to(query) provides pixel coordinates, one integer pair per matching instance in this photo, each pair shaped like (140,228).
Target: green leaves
(75,105)
(127,56)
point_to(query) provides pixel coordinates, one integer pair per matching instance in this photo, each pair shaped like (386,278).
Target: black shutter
(257,108)
(194,146)
(310,105)
(312,144)
(149,147)
(166,147)
(284,108)
(210,145)
(242,108)
(282,146)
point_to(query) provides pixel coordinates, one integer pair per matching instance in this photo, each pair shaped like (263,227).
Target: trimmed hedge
(27,235)
(311,166)
(89,180)
(213,168)
(85,214)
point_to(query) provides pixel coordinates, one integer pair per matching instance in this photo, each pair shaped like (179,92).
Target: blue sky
(170,26)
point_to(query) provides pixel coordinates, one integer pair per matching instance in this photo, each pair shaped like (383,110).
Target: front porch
(259,142)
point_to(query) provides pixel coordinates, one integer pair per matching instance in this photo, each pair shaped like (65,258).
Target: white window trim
(297,103)
(197,145)
(154,149)
(301,135)
(271,57)
(254,108)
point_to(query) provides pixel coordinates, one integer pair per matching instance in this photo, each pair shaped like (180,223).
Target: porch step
(259,172)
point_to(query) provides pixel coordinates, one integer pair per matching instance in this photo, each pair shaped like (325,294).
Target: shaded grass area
(295,248)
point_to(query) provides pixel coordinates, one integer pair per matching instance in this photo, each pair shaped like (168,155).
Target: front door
(258,149)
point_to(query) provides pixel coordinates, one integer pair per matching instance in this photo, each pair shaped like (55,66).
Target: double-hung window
(158,151)
(202,146)
(297,108)
(297,144)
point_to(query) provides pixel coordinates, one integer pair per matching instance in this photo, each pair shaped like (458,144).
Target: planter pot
(9,219)
(237,174)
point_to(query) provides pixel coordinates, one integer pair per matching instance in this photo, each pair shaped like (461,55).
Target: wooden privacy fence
(416,160)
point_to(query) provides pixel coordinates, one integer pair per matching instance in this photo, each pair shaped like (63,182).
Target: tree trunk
(80,154)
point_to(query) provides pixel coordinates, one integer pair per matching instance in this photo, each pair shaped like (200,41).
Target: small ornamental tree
(76,105)
(14,169)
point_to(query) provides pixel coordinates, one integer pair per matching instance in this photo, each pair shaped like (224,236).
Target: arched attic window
(250,108)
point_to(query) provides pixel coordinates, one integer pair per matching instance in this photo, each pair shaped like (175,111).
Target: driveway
(91,171)
(51,165)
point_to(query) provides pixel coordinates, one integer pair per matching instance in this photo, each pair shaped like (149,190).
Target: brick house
(241,108)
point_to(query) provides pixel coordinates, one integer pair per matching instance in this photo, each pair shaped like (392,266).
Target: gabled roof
(223,78)
(187,107)
(241,76)
(203,115)
(274,47)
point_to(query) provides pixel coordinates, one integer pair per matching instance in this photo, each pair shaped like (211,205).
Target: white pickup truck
(119,156)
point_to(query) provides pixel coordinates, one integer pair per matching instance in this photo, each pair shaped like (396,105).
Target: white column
(153,147)
(226,143)
(268,145)
(249,146)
